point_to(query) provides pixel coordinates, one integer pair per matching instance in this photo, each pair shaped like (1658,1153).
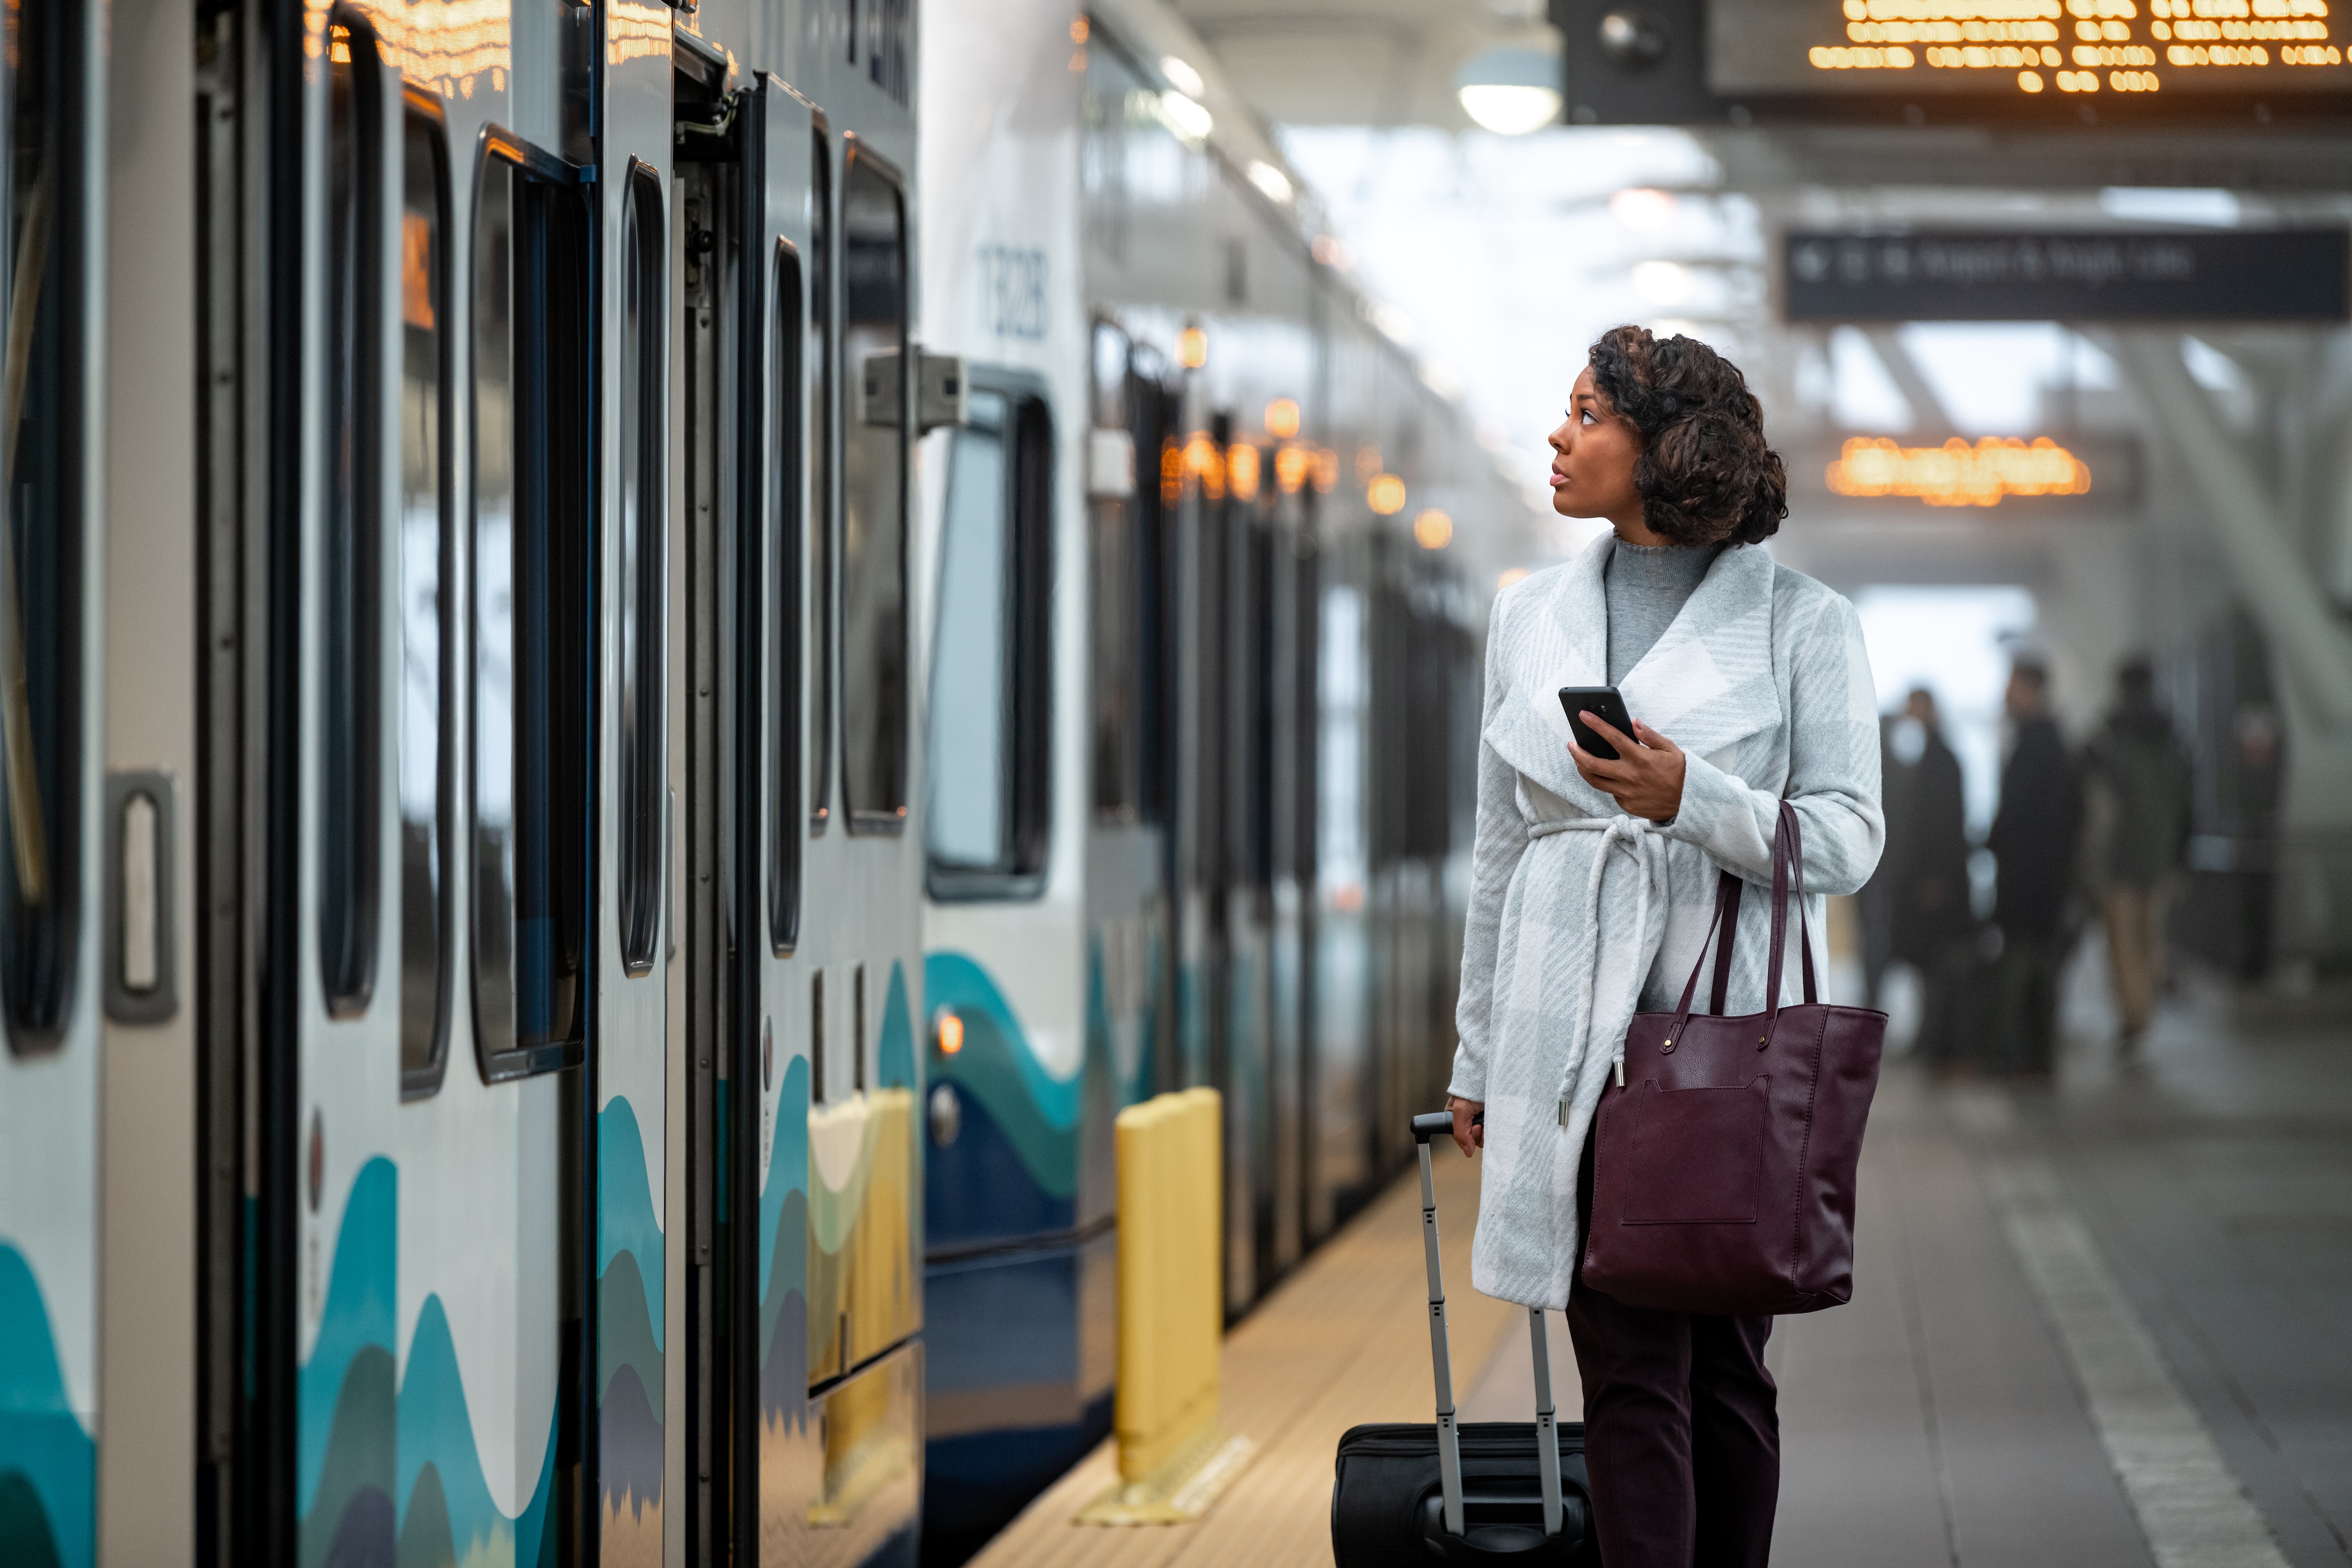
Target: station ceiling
(1361,62)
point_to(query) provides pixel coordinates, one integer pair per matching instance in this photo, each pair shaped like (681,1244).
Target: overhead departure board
(2043,49)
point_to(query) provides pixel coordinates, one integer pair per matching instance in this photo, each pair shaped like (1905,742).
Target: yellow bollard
(1173,1457)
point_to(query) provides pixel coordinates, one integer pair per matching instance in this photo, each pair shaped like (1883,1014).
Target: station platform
(2103,1323)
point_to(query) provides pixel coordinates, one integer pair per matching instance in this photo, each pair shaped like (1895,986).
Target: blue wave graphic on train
(1005,1369)
(364,1443)
(628,1330)
(49,1463)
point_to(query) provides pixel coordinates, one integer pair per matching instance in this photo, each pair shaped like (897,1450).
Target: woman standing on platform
(1593,881)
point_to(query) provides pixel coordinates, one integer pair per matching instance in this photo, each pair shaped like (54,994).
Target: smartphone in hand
(1602,700)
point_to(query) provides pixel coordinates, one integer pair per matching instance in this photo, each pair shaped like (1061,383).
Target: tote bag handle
(1724,929)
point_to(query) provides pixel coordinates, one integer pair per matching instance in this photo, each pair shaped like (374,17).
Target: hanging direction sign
(2218,275)
(2090,49)
(2046,63)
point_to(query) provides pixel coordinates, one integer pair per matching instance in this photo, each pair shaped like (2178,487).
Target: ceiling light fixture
(1186,117)
(1182,77)
(1511,92)
(1270,180)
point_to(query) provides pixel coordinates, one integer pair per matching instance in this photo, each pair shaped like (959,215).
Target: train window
(425,551)
(786,539)
(41,532)
(349,708)
(874,495)
(821,498)
(533,652)
(987,816)
(1113,525)
(643,428)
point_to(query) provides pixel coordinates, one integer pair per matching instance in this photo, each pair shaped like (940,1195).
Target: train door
(637,555)
(857,959)
(420,1354)
(707,198)
(757,353)
(49,807)
(1245,742)
(803,1297)
(1135,482)
(1291,851)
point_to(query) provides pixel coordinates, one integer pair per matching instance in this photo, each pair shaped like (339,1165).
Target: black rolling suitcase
(1510,1491)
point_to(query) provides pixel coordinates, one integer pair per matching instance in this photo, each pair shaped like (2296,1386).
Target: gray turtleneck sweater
(1646,586)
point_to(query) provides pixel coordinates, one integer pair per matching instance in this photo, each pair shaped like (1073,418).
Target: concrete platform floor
(2106,1321)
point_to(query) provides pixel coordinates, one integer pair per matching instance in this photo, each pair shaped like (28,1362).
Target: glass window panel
(643,426)
(532,650)
(786,531)
(350,707)
(823,585)
(966,823)
(41,630)
(987,813)
(873,492)
(425,547)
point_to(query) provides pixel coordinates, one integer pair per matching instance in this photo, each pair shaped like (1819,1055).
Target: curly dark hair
(1704,474)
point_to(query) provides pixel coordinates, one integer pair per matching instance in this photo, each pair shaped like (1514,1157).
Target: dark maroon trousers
(1682,1429)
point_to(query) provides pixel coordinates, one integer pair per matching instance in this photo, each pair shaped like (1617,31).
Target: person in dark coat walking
(1925,870)
(2139,783)
(2032,842)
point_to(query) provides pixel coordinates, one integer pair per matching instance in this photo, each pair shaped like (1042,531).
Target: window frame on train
(999,514)
(350,707)
(641,512)
(549,376)
(874,674)
(428,467)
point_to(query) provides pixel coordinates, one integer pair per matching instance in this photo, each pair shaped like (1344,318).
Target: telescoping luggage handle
(1440,1123)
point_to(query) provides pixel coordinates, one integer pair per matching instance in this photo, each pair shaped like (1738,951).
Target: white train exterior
(522,746)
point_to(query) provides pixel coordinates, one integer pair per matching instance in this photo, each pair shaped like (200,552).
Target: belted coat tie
(1579,914)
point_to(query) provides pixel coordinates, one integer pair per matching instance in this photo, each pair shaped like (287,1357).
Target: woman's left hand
(1646,779)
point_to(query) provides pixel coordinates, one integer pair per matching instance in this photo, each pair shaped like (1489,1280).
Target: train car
(461,923)
(473,794)
(1193,688)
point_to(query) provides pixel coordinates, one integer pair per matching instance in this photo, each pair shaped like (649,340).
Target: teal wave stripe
(787,1173)
(359,1314)
(1036,1112)
(48,1465)
(435,1429)
(625,1219)
(623,1336)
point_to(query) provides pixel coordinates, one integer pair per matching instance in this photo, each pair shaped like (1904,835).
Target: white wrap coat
(1579,914)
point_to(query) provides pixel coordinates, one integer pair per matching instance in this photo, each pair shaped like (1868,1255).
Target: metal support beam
(2280,588)
(1934,421)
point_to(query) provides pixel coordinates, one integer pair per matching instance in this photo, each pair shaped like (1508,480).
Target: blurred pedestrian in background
(1924,874)
(1874,905)
(2137,829)
(2032,842)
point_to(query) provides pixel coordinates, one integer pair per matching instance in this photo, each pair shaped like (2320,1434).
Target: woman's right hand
(1468,1138)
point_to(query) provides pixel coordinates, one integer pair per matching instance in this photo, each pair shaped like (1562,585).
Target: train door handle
(141,975)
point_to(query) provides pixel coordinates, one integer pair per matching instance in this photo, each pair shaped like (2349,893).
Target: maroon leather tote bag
(1723,1166)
